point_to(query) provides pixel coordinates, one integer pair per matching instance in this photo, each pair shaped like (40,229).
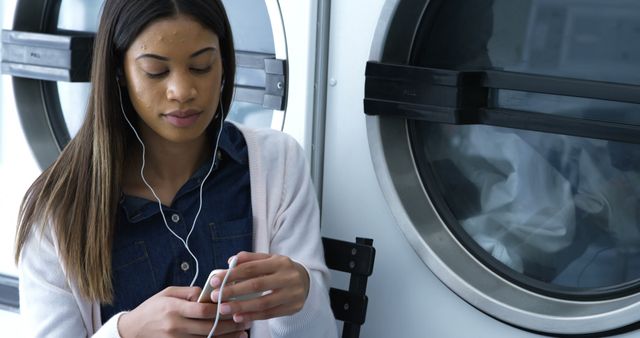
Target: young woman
(155,191)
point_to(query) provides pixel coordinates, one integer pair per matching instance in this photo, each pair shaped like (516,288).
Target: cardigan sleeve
(297,235)
(49,305)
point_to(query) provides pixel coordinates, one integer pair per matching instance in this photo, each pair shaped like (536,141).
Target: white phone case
(205,295)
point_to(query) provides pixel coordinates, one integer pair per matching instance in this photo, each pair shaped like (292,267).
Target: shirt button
(184,266)
(175,218)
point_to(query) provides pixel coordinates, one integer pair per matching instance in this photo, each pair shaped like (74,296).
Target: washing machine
(46,54)
(491,150)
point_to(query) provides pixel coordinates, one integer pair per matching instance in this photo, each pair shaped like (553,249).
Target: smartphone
(205,295)
(207,289)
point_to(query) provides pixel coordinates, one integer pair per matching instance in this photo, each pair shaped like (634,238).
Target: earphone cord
(185,241)
(224,282)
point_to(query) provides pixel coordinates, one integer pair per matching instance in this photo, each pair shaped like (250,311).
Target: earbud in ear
(119,76)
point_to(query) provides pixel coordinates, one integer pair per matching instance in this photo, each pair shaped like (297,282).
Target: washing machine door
(49,54)
(506,138)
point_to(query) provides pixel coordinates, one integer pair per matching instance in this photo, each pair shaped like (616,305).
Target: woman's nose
(180,88)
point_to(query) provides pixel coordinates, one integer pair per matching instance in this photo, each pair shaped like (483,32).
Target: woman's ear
(120,78)
(222,82)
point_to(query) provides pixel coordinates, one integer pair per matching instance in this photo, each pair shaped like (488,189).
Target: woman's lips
(182,119)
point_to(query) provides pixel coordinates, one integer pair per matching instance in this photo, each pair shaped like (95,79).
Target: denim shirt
(147,258)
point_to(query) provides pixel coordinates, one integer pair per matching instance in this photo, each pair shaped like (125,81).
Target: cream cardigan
(286,222)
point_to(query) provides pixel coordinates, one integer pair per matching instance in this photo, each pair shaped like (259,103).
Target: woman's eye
(156,75)
(201,70)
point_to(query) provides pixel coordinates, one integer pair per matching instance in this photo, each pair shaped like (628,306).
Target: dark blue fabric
(147,258)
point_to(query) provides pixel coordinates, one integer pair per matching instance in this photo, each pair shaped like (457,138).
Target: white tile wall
(11,325)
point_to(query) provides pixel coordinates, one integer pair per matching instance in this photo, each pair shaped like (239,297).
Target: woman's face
(173,72)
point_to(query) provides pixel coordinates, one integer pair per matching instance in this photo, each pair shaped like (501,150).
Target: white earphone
(232,264)
(184,241)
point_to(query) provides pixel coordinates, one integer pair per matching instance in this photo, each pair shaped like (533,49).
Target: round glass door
(508,148)
(79,16)
(560,212)
(252,33)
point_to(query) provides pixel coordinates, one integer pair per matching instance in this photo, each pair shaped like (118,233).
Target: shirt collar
(231,146)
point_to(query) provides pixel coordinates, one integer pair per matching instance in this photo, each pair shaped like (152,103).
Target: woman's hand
(285,282)
(173,313)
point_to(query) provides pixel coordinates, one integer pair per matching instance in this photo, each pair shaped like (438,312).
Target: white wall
(10,325)
(18,167)
(17,170)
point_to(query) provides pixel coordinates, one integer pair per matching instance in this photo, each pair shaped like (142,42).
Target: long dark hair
(78,195)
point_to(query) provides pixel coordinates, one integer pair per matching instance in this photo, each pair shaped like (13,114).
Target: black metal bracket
(464,97)
(436,95)
(9,297)
(52,57)
(357,259)
(272,93)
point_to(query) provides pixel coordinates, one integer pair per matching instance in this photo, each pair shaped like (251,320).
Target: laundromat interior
(488,148)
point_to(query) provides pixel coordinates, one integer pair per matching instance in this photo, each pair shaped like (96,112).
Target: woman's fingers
(268,265)
(252,265)
(260,285)
(234,335)
(274,273)
(277,303)
(229,327)
(169,313)
(186,293)
(249,265)
(278,311)
(196,310)
(245,256)
(202,327)
(281,285)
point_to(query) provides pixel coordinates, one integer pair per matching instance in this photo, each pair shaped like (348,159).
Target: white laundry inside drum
(525,205)
(533,191)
